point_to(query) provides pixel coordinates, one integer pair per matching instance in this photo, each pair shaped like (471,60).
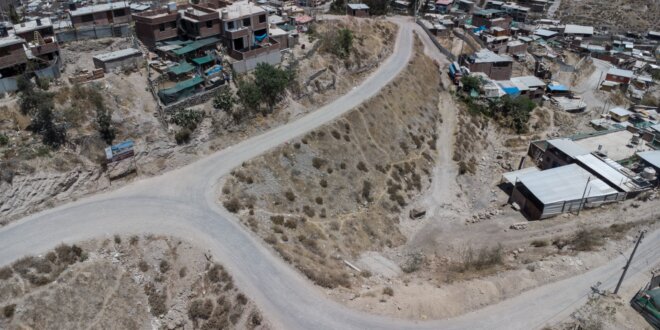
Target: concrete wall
(110,66)
(94,32)
(251,63)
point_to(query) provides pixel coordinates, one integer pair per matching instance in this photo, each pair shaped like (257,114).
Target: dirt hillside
(338,190)
(138,282)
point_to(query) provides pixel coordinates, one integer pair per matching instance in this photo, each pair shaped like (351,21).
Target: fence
(8,85)
(470,41)
(437,44)
(93,32)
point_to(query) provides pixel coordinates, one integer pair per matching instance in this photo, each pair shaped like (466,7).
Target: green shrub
(4,140)
(183,136)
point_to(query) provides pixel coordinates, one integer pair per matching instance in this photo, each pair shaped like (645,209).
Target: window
(246,22)
(87,18)
(173,25)
(209,24)
(262,18)
(231,25)
(161,27)
(4,52)
(119,12)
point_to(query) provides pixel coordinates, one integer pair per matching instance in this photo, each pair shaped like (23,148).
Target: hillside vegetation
(338,190)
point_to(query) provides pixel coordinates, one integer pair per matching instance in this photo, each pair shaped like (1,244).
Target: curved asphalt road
(183,203)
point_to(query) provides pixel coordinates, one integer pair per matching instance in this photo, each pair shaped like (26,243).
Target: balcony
(269,46)
(50,46)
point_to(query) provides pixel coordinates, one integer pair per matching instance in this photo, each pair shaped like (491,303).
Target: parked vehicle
(455,72)
(647,302)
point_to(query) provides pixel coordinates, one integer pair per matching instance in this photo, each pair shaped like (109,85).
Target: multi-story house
(102,14)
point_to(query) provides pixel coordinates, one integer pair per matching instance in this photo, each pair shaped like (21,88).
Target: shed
(357,9)
(620,114)
(619,75)
(118,59)
(580,30)
(559,190)
(181,68)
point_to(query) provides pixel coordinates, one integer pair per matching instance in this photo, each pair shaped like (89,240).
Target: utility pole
(582,203)
(625,269)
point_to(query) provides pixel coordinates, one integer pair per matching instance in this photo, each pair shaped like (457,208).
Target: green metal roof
(181,68)
(203,60)
(178,42)
(193,46)
(182,86)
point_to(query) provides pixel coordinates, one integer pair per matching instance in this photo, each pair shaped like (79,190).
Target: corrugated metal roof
(118,54)
(651,157)
(196,45)
(529,81)
(620,72)
(512,177)
(357,6)
(578,29)
(568,147)
(605,171)
(564,183)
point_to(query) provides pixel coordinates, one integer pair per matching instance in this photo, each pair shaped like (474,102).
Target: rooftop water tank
(649,173)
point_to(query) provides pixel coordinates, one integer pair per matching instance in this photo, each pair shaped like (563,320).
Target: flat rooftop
(32,25)
(118,54)
(99,8)
(614,144)
(10,40)
(240,9)
(486,56)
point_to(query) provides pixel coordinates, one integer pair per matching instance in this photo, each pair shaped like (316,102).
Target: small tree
(249,95)
(344,43)
(104,121)
(272,82)
(470,83)
(224,100)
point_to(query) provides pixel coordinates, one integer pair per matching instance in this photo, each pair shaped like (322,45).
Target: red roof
(304,19)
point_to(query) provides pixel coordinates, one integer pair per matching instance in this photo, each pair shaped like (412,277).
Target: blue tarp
(511,90)
(479,29)
(213,69)
(557,88)
(261,37)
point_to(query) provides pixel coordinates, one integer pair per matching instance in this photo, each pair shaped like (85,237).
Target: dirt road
(183,203)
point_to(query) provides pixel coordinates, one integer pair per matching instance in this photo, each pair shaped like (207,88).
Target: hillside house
(101,14)
(619,76)
(497,67)
(157,25)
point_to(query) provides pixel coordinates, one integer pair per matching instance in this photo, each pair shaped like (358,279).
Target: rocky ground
(137,282)
(606,312)
(618,16)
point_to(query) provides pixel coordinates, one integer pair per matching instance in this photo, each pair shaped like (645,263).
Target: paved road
(183,203)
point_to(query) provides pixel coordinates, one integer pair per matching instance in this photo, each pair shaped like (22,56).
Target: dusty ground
(324,76)
(337,191)
(138,282)
(606,312)
(617,16)
(34,177)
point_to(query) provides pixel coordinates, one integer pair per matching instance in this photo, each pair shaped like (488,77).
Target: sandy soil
(138,282)
(332,194)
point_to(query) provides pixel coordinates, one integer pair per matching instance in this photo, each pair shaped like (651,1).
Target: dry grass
(340,188)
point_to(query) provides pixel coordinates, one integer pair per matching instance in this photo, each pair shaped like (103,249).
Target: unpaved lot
(138,282)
